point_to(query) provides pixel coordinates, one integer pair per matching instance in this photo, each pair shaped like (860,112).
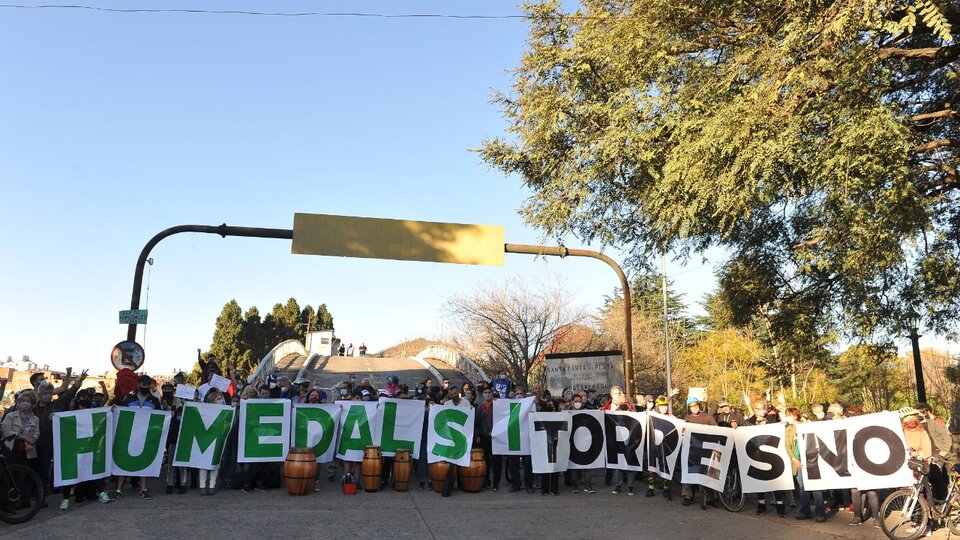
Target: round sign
(127,355)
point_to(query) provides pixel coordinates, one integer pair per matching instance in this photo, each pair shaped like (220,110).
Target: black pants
(494,463)
(550,483)
(938,481)
(513,464)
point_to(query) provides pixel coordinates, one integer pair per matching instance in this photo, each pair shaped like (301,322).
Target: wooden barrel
(473,475)
(438,475)
(402,469)
(300,470)
(371,468)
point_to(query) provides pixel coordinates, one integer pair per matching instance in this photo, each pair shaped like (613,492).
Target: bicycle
(731,497)
(21,491)
(906,513)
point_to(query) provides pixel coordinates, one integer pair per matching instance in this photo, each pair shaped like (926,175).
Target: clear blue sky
(115,126)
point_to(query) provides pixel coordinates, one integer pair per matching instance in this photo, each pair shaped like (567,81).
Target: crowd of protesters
(27,436)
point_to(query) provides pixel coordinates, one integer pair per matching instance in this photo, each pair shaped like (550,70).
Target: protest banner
(138,440)
(762,458)
(220,382)
(264,430)
(358,423)
(663,443)
(624,439)
(400,425)
(203,431)
(549,441)
(587,441)
(315,426)
(705,455)
(863,452)
(510,426)
(450,434)
(186,391)
(82,446)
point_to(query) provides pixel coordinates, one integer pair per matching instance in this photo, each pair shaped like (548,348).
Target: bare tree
(509,325)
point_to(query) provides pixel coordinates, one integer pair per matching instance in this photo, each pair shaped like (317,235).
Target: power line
(279,13)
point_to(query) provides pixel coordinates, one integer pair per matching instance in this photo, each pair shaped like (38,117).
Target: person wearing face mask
(764,414)
(483,427)
(48,404)
(818,414)
(21,429)
(208,477)
(91,489)
(580,479)
(168,401)
(726,416)
(142,398)
(791,416)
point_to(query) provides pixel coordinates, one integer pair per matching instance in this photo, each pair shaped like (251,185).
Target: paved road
(419,514)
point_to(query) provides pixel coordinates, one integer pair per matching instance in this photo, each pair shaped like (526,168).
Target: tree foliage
(243,338)
(815,141)
(510,325)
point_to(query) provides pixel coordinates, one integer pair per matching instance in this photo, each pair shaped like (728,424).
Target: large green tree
(244,338)
(816,141)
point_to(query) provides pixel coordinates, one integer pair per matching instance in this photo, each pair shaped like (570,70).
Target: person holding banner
(177,477)
(763,415)
(484,439)
(208,477)
(143,398)
(790,417)
(90,489)
(661,406)
(695,415)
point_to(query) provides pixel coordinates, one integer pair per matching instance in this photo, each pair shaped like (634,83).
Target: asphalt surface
(419,514)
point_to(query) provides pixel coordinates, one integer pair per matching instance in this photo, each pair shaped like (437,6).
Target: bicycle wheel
(732,497)
(21,493)
(904,517)
(953,517)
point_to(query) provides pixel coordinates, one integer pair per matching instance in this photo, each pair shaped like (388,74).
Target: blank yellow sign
(399,239)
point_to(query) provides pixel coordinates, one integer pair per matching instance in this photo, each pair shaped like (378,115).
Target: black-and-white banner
(705,455)
(763,459)
(624,434)
(663,443)
(587,441)
(549,441)
(864,452)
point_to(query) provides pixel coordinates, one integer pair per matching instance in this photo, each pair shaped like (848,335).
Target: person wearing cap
(695,415)
(661,406)
(726,416)
(142,398)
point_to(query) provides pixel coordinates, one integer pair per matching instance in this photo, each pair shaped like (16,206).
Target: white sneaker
(104,498)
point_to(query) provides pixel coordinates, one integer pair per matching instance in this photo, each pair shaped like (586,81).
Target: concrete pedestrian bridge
(435,361)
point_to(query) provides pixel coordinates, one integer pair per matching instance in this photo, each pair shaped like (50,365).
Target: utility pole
(666,328)
(918,366)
